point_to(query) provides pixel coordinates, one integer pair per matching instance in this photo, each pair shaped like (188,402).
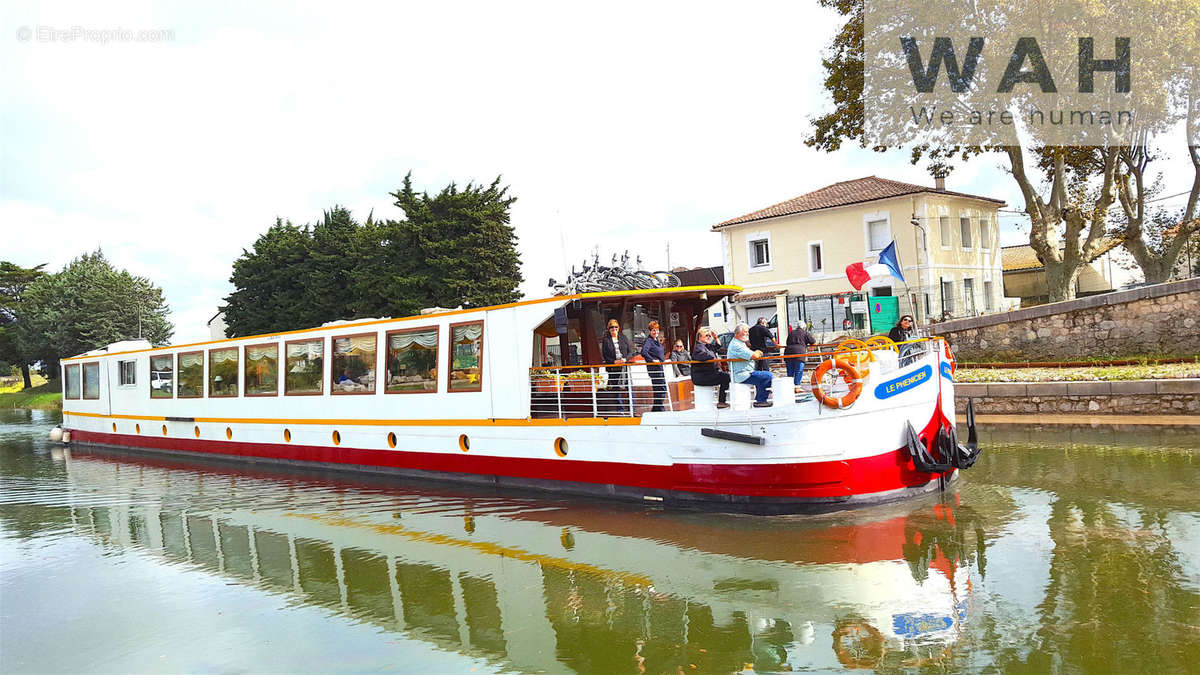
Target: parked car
(161,379)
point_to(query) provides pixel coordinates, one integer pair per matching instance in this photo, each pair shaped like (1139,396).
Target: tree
(455,248)
(1068,204)
(88,305)
(14,280)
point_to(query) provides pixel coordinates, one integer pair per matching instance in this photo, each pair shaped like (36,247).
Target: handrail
(765,357)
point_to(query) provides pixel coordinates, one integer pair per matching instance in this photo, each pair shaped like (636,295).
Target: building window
(190,369)
(988,304)
(760,253)
(466,357)
(816,265)
(928,306)
(985,233)
(162,376)
(412,359)
(964,225)
(305,367)
(969,296)
(91,380)
(223,372)
(944,228)
(262,370)
(127,373)
(879,234)
(71,381)
(354,361)
(947,297)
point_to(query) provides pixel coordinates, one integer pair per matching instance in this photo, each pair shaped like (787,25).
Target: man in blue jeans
(742,371)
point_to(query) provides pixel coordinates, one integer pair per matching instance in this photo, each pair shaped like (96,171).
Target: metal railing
(631,389)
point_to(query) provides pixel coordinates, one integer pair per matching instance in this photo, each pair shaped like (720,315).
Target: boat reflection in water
(552,586)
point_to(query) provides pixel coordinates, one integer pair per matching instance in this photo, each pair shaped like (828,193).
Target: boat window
(91,380)
(305,366)
(191,374)
(71,381)
(466,356)
(354,364)
(412,359)
(162,376)
(262,370)
(223,372)
(127,373)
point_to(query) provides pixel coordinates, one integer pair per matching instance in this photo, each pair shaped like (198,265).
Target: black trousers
(713,380)
(658,382)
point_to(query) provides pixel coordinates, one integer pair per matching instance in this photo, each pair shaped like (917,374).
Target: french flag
(889,264)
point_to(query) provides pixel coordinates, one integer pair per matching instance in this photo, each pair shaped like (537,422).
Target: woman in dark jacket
(903,330)
(798,341)
(652,351)
(615,349)
(707,374)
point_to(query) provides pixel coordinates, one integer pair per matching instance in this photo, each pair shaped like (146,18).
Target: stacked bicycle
(621,275)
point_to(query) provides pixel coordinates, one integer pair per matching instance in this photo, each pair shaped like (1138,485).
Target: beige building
(947,241)
(1025,276)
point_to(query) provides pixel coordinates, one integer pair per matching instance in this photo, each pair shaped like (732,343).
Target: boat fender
(66,437)
(849,373)
(56,434)
(733,436)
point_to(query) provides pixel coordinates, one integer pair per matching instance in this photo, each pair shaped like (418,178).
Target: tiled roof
(1022,257)
(845,193)
(755,297)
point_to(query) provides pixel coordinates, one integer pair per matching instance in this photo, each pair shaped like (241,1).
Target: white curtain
(469,332)
(270,352)
(222,355)
(419,339)
(306,350)
(363,344)
(195,359)
(162,364)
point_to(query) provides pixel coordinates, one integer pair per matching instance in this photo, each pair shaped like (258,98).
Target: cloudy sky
(623,125)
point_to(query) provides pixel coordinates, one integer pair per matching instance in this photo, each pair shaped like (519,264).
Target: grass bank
(43,394)
(1162,371)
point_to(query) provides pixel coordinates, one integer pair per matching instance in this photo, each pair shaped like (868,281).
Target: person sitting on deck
(680,357)
(742,370)
(705,373)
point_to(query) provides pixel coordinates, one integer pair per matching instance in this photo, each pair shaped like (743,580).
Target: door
(884,312)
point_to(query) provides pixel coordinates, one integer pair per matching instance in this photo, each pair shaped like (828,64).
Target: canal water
(1063,550)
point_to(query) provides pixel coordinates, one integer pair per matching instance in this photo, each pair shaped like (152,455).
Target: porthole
(337,438)
(287,435)
(228,434)
(196,431)
(164,430)
(114,427)
(560,446)
(391,440)
(137,428)
(464,443)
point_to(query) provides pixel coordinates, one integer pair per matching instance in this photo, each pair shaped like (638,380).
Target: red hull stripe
(884,472)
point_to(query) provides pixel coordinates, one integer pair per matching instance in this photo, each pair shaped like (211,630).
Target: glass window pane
(965,226)
(354,364)
(879,234)
(944,227)
(412,360)
(222,372)
(191,374)
(466,357)
(262,370)
(162,376)
(128,372)
(71,386)
(91,380)
(305,367)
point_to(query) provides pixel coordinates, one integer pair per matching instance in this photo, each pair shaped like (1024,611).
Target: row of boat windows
(410,366)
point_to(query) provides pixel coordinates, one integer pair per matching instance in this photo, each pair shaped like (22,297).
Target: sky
(627,126)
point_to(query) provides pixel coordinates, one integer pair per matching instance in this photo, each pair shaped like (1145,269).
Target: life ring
(856,352)
(849,373)
(882,342)
(950,358)
(857,644)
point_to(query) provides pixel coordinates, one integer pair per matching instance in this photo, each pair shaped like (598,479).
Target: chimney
(940,183)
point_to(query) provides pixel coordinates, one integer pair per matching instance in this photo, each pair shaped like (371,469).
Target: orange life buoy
(849,373)
(950,358)
(857,644)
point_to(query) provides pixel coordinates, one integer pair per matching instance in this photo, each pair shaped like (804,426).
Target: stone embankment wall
(1134,397)
(1160,319)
